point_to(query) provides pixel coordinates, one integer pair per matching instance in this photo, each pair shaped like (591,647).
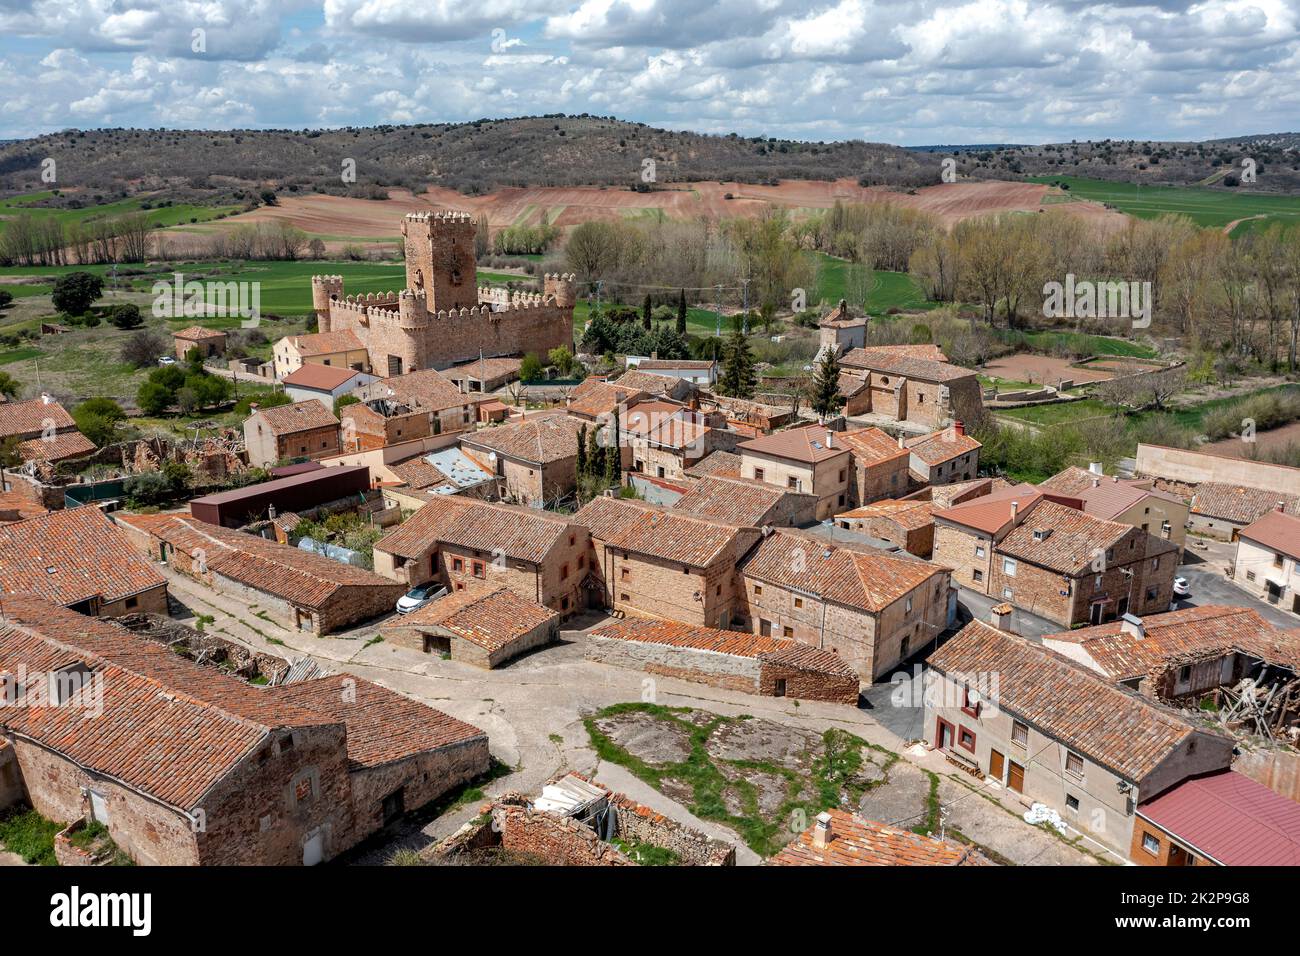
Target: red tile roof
(29,419)
(724,464)
(419,473)
(651,383)
(57,447)
(490,617)
(383,726)
(325,343)
(323,377)
(859,842)
(69,556)
(862,578)
(426,390)
(810,444)
(660,533)
(1074,538)
(539,440)
(1113,726)
(774,650)
(738,501)
(872,446)
(1275,530)
(904,365)
(197,333)
(299,577)
(297,417)
(169,728)
(992,513)
(525,534)
(908,515)
(1229,818)
(942,446)
(1238,503)
(596,397)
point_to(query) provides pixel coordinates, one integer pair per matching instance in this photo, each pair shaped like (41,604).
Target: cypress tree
(738,379)
(681,312)
(824,392)
(582,453)
(646,313)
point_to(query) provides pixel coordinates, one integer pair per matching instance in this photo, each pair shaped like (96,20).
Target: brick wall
(422,778)
(955,547)
(153,601)
(560,841)
(808,685)
(873,482)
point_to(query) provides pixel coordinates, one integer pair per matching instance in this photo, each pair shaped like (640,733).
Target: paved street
(1205,571)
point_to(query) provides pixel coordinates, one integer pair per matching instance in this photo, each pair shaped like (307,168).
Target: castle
(442,317)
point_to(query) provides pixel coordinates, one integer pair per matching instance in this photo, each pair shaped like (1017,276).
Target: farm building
(325,383)
(305,429)
(483,625)
(300,590)
(44,431)
(209,342)
(840,838)
(297,492)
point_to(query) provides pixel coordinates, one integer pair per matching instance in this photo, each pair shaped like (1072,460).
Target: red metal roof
(1231,819)
(1276,530)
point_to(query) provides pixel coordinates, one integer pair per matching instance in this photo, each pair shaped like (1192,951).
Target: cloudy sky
(911,72)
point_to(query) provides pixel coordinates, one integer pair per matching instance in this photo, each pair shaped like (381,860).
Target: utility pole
(717,307)
(745,312)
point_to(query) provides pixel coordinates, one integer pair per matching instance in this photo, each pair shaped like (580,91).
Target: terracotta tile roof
(1276,530)
(959,492)
(419,473)
(942,446)
(300,577)
(383,726)
(487,368)
(169,728)
(1230,818)
(426,390)
(724,464)
(524,534)
(197,333)
(539,440)
(810,444)
(849,384)
(642,380)
(702,365)
(71,555)
(1073,539)
(841,317)
(15,506)
(596,397)
(908,361)
(658,532)
(1189,633)
(908,515)
(1235,503)
(871,446)
(746,410)
(58,447)
(1102,496)
(859,842)
(29,419)
(326,343)
(490,617)
(323,377)
(1092,716)
(862,578)
(992,512)
(297,417)
(736,501)
(774,650)
(643,418)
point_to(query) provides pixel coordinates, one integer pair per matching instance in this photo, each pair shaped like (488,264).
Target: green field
(1079,342)
(1187,416)
(1205,207)
(889,290)
(160,216)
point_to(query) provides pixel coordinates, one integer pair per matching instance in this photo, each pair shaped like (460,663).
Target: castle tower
(562,287)
(322,289)
(440,259)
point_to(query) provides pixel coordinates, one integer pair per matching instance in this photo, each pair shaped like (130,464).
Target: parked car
(167,360)
(1181,587)
(418,597)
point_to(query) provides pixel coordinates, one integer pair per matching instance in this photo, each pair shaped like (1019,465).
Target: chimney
(959,428)
(1114,479)
(1132,625)
(1281,506)
(822,834)
(830,439)
(1096,482)
(901,442)
(1096,468)
(1015,507)
(46,398)
(1000,617)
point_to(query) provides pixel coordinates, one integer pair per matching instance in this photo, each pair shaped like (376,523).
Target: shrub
(126,316)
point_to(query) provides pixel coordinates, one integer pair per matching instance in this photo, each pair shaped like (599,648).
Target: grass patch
(1205,207)
(30,835)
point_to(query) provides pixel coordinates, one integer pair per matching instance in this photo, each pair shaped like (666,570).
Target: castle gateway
(442,317)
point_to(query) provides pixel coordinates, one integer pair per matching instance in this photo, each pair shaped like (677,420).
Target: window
(903,648)
(798,602)
(1073,764)
(564,572)
(457,564)
(1277,560)
(1151,844)
(623,596)
(758,474)
(582,561)
(758,589)
(841,501)
(1155,564)
(132,602)
(1009,567)
(1185,673)
(787,631)
(1096,582)
(1250,575)
(1072,803)
(1151,593)
(979,550)
(1008,593)
(908,609)
(624,574)
(480,570)
(969,706)
(792,483)
(966,739)
(977,575)
(841,479)
(1020,733)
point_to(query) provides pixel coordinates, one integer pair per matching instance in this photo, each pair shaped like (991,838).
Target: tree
(738,378)
(824,392)
(681,312)
(562,359)
(11,455)
(647,310)
(143,349)
(99,419)
(581,464)
(148,488)
(343,401)
(9,386)
(613,459)
(126,316)
(154,398)
(76,291)
(5,298)
(530,369)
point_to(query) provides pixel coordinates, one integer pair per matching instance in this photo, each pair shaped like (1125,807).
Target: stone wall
(646,826)
(242,661)
(1194,467)
(728,671)
(11,778)
(422,778)
(560,841)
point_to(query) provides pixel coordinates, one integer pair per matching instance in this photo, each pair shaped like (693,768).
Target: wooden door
(1016,777)
(997,765)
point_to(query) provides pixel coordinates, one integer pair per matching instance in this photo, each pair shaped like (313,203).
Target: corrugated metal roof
(1231,819)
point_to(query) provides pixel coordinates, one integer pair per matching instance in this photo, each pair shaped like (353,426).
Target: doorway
(778,689)
(313,848)
(997,765)
(1016,778)
(943,734)
(1096,611)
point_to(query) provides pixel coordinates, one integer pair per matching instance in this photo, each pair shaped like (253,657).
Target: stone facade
(442,317)
(265,448)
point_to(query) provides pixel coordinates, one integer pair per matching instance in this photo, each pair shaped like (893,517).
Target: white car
(167,360)
(418,597)
(1181,587)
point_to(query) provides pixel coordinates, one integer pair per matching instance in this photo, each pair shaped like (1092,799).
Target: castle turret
(563,287)
(440,259)
(323,288)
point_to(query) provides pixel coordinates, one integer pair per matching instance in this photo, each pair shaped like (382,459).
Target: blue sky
(911,72)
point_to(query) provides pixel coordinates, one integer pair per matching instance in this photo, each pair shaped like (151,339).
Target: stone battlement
(450,216)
